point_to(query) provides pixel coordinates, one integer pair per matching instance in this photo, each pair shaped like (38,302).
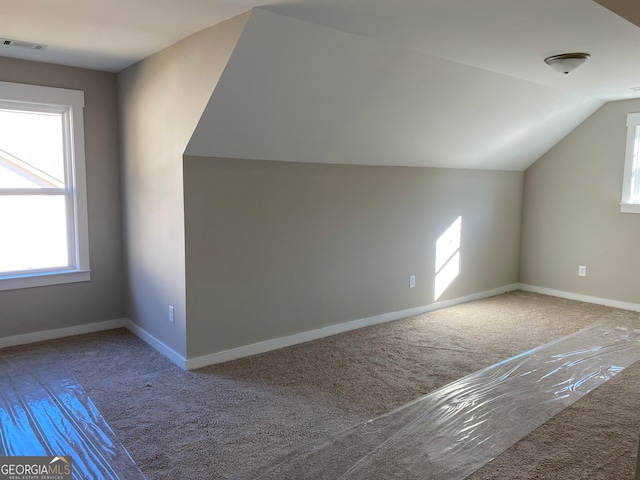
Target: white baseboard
(582,298)
(276,343)
(149,339)
(60,333)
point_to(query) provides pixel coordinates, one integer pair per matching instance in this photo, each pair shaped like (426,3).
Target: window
(43,206)
(631,183)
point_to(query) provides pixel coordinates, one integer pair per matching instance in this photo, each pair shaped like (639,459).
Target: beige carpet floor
(237,419)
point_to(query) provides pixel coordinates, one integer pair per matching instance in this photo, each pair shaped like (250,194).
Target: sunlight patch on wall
(447,257)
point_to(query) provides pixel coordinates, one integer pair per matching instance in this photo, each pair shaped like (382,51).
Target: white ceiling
(420,72)
(302,92)
(106,35)
(510,37)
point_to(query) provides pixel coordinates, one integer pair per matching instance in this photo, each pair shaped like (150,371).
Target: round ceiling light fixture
(567,62)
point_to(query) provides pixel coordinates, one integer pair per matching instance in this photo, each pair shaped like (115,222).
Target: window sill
(14,282)
(630,207)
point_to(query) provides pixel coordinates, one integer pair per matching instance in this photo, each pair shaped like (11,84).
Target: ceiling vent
(7,42)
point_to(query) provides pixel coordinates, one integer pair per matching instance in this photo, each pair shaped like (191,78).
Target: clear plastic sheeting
(453,431)
(45,412)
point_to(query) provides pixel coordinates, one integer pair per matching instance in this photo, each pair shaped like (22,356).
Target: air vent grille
(7,42)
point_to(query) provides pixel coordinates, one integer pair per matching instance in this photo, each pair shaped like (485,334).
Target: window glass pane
(34,232)
(635,172)
(11,177)
(31,149)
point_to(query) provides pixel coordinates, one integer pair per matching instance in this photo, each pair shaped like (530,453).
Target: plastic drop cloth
(45,412)
(453,431)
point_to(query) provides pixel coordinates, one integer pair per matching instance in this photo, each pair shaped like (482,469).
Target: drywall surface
(301,92)
(571,213)
(161,101)
(627,10)
(36,309)
(278,248)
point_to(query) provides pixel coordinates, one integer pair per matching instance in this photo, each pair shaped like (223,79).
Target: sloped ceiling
(451,83)
(297,91)
(511,37)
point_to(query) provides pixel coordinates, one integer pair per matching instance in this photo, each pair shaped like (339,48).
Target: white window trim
(74,101)
(627,205)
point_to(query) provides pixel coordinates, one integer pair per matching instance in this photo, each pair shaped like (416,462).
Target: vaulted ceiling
(446,83)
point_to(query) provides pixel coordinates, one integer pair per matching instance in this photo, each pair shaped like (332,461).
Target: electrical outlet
(582,270)
(412,281)
(172,314)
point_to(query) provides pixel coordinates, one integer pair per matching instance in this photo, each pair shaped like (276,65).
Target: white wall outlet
(172,314)
(412,281)
(582,270)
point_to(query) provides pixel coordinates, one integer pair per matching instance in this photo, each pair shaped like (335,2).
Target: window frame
(71,104)
(631,177)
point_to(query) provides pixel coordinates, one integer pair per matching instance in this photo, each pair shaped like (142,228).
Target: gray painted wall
(572,216)
(161,100)
(277,248)
(46,308)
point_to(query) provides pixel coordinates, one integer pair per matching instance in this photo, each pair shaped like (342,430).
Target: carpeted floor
(236,419)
